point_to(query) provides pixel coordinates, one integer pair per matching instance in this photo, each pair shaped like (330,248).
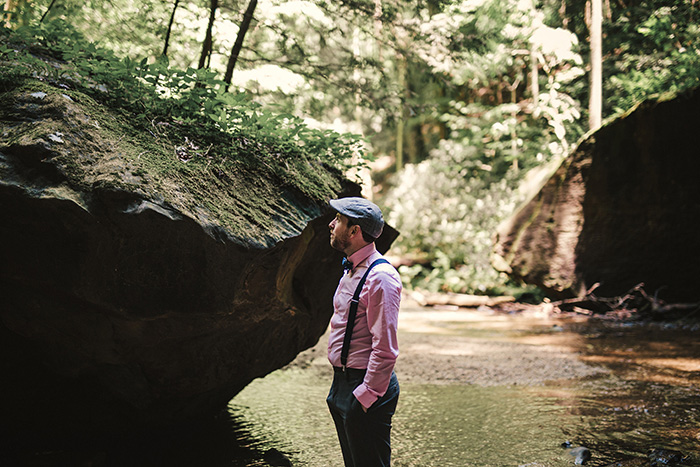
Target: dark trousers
(364,437)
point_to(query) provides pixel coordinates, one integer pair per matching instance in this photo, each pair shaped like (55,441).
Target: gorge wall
(126,303)
(621,210)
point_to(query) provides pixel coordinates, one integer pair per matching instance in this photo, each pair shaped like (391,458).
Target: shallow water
(457,425)
(446,425)
(646,396)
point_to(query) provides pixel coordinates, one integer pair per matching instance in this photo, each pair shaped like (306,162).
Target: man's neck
(352,249)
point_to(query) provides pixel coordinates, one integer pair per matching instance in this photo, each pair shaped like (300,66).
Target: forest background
(456,108)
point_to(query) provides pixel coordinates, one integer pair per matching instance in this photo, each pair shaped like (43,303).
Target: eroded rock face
(621,210)
(120,311)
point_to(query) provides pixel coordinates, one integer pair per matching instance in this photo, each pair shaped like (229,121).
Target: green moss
(214,156)
(102,148)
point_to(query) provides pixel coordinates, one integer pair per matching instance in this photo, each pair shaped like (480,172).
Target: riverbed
(479,388)
(485,388)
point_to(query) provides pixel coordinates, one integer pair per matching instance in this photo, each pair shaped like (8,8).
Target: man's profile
(363,345)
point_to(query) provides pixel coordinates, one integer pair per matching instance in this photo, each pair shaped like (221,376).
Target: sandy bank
(478,346)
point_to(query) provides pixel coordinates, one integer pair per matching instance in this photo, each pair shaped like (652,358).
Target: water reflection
(464,425)
(648,400)
(446,425)
(623,419)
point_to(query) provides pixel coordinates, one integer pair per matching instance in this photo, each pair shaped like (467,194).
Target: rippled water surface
(451,425)
(444,425)
(647,397)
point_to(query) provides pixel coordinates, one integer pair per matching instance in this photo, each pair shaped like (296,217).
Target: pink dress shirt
(374,345)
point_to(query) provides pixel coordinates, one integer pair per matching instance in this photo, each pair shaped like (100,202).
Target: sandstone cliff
(134,295)
(623,209)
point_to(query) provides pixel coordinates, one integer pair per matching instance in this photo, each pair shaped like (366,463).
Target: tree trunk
(534,79)
(13,7)
(534,72)
(378,27)
(207,45)
(595,107)
(513,88)
(47,11)
(7,15)
(417,151)
(170,27)
(562,14)
(236,50)
(401,123)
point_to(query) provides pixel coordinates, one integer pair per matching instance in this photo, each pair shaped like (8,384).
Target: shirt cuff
(365,396)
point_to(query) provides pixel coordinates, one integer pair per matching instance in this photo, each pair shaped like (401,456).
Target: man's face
(340,232)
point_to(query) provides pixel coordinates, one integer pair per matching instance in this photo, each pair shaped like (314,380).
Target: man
(364,393)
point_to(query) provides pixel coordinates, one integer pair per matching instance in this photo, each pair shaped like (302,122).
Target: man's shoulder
(383,268)
(379,260)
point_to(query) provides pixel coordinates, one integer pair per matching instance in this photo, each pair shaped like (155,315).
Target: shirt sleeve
(383,300)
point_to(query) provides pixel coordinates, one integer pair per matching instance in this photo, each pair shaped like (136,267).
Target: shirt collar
(361,255)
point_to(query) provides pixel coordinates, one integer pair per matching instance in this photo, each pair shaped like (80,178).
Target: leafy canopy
(228,126)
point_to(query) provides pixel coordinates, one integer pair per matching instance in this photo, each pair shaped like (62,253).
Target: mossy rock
(89,146)
(620,211)
(143,283)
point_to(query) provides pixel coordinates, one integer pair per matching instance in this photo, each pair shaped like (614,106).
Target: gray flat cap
(365,213)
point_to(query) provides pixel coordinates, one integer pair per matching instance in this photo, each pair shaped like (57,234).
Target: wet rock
(125,302)
(276,458)
(619,211)
(581,455)
(662,457)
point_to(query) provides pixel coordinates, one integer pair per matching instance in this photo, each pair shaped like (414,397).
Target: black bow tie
(347,265)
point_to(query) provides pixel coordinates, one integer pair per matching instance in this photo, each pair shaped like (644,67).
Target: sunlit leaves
(652,47)
(167,102)
(449,213)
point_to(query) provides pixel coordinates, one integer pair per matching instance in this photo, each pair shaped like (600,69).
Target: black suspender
(353,312)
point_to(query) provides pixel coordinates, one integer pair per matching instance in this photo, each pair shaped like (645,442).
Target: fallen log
(460,300)
(635,302)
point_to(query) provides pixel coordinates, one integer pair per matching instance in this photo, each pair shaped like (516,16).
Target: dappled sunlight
(678,363)
(558,341)
(269,78)
(461,350)
(466,372)
(445,321)
(451,115)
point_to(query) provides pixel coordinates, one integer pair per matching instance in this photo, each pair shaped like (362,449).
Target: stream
(485,389)
(478,388)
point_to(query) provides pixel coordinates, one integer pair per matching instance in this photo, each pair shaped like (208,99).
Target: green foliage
(447,211)
(649,47)
(448,206)
(656,52)
(167,102)
(454,74)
